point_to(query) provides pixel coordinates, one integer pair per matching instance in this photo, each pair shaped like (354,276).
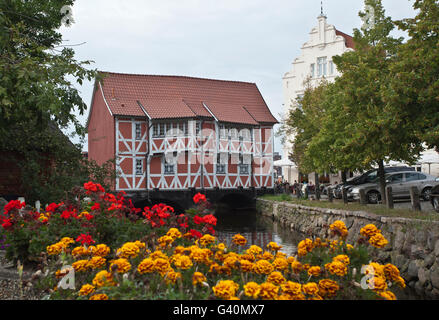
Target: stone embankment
(413,244)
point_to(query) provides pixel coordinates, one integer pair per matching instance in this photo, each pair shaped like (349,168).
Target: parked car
(401,182)
(434,198)
(366,177)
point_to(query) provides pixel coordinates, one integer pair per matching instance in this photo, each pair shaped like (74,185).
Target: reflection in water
(258,230)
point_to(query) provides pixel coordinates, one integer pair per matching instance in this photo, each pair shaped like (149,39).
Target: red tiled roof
(349,40)
(183,97)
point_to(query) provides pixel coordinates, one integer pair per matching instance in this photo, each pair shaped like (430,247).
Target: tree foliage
(38,97)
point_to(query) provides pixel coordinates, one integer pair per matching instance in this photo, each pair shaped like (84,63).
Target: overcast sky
(243,40)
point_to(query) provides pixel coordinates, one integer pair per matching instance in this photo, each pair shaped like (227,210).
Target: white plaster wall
(323,42)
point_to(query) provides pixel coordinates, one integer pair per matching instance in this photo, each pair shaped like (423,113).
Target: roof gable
(161,97)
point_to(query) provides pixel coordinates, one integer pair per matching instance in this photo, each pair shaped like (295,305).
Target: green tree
(415,73)
(378,131)
(38,97)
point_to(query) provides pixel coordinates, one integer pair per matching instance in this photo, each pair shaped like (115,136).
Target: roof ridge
(175,76)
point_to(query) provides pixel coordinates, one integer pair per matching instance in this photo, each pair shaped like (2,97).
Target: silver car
(401,182)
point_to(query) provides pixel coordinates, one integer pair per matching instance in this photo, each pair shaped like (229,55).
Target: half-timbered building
(179,133)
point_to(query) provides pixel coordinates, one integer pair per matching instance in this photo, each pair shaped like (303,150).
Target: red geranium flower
(210,219)
(195,233)
(96,206)
(85,239)
(199,198)
(198,220)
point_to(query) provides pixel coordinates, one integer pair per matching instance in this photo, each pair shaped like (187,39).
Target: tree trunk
(317,186)
(382,176)
(343,176)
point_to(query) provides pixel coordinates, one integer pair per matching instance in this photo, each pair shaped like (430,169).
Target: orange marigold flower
(198,278)
(336,267)
(252,289)
(55,249)
(225,289)
(273,246)
(276,278)
(293,289)
(328,288)
(268,291)
(339,228)
(97,262)
(79,252)
(103,278)
(86,289)
(182,262)
(369,230)
(171,276)
(263,267)
(101,296)
(311,288)
(122,265)
(378,284)
(128,250)
(239,240)
(206,240)
(387,295)
(246,265)
(80,265)
(100,250)
(165,241)
(314,271)
(161,266)
(304,247)
(146,266)
(174,233)
(280,264)
(342,258)
(254,250)
(296,266)
(378,241)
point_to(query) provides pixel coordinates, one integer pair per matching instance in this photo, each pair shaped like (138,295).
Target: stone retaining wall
(413,244)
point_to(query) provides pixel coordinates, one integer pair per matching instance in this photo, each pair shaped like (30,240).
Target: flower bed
(165,255)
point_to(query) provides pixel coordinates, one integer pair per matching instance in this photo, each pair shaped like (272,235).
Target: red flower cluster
(5,219)
(85,239)
(53,206)
(93,187)
(199,198)
(158,214)
(13,204)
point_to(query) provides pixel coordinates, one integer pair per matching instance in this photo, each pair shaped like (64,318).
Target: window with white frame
(244,165)
(139,167)
(313,70)
(223,131)
(169,160)
(138,130)
(331,67)
(155,130)
(162,129)
(321,66)
(220,164)
(197,128)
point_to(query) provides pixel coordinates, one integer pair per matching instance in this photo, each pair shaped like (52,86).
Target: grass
(380,210)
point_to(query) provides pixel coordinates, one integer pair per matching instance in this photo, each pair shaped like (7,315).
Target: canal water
(257,229)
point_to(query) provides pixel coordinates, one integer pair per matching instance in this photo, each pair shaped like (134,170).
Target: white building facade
(313,65)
